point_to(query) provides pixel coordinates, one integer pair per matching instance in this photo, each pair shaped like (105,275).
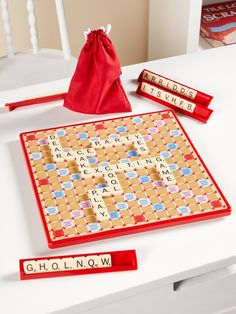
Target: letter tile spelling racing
(128,175)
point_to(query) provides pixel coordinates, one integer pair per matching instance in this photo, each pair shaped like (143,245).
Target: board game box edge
(127,230)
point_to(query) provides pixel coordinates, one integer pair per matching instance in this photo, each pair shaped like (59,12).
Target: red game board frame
(136,228)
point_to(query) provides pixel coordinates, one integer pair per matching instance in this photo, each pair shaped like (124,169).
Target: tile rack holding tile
(175,95)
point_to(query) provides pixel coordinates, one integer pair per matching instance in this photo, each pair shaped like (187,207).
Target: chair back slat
(32,25)
(63,29)
(7,28)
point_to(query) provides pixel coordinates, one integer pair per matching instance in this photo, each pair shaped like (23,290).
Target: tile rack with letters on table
(69,265)
(119,176)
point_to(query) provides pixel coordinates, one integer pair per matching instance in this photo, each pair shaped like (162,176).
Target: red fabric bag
(95,86)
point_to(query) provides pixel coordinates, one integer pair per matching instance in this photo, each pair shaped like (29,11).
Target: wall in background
(129,21)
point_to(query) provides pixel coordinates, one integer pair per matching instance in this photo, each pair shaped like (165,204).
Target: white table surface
(164,256)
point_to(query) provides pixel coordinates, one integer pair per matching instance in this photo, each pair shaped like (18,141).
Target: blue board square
(184,210)
(131,174)
(173,167)
(94,139)
(104,163)
(50,167)
(102,185)
(36,156)
(132,153)
(82,135)
(92,160)
(172,146)
(186,171)
(67,185)
(114,215)
(145,179)
(52,210)
(159,207)
(125,160)
(60,133)
(114,135)
(122,206)
(204,182)
(144,202)
(75,176)
(166,154)
(59,194)
(93,227)
(121,129)
(63,171)
(130,197)
(175,133)
(137,120)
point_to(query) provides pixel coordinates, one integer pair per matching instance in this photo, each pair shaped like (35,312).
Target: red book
(218,23)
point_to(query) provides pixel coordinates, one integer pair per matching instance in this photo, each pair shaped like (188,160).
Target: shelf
(174,27)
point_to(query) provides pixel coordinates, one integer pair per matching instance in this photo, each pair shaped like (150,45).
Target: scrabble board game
(114,177)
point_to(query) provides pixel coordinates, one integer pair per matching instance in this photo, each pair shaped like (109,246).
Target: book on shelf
(218,23)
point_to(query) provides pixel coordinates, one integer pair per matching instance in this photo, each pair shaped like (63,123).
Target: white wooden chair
(35,66)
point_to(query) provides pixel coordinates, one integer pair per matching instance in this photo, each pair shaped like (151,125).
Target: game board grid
(188,152)
(124,221)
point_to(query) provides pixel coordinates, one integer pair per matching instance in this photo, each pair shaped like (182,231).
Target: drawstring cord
(106,30)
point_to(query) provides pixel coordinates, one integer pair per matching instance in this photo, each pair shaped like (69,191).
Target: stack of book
(218,23)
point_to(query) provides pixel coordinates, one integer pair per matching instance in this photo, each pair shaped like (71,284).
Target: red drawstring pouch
(95,86)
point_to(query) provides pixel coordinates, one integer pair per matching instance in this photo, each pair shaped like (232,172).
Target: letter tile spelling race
(114,177)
